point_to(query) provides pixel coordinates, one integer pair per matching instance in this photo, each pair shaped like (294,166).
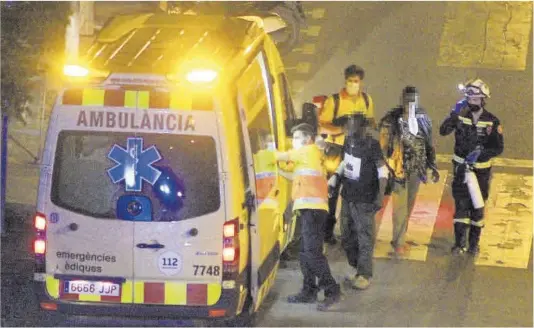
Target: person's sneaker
(330,302)
(361,282)
(457,250)
(351,274)
(401,251)
(330,240)
(474,250)
(303,297)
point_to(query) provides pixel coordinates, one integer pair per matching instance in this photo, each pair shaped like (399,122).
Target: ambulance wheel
(247,318)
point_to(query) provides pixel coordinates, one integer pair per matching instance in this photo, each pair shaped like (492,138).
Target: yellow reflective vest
(310,187)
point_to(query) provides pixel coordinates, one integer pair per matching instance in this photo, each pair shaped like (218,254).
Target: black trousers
(331,219)
(466,217)
(313,263)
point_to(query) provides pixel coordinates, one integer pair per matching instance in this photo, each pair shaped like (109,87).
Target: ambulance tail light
(39,246)
(230,252)
(40,222)
(39,243)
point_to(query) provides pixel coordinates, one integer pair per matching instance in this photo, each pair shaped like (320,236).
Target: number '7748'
(206,270)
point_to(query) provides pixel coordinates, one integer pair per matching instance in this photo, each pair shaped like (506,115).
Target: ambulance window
(258,119)
(82,182)
(268,81)
(289,109)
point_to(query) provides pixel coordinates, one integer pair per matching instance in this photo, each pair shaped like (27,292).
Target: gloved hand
(332,182)
(473,156)
(435,176)
(459,106)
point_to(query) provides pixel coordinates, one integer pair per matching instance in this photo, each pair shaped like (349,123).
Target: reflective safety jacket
(265,167)
(310,187)
(346,106)
(486,132)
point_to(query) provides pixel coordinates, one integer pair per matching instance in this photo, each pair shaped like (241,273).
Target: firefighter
(351,99)
(363,175)
(477,133)
(310,200)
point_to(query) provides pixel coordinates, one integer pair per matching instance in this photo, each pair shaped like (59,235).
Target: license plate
(92,288)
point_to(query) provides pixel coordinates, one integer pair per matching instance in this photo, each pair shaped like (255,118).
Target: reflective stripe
(89,298)
(142,99)
(478,165)
(130,99)
(263,175)
(168,293)
(303,172)
(478,223)
(139,292)
(93,97)
(462,220)
(267,201)
(465,120)
(52,286)
(127,292)
(175,293)
(309,200)
(484,124)
(214,293)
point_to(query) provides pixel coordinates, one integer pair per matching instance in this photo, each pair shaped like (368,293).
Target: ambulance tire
(50,319)
(247,317)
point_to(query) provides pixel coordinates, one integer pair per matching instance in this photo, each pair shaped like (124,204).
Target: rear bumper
(228,301)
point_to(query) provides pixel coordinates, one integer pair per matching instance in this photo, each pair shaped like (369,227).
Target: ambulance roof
(158,42)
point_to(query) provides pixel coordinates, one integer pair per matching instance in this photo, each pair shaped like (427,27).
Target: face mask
(298,143)
(353,88)
(271,146)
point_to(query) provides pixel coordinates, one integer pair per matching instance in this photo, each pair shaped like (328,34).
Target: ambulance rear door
(177,250)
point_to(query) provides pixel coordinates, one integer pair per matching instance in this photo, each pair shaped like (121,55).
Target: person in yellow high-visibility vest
(350,100)
(310,200)
(265,168)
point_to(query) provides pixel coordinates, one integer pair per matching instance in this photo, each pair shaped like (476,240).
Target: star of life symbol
(134,164)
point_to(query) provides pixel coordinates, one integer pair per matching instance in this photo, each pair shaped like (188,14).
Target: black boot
(332,297)
(459,238)
(474,238)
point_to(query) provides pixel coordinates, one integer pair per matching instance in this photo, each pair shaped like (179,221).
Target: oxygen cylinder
(474,189)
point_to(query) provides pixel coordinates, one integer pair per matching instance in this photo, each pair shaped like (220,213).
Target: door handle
(276,192)
(150,246)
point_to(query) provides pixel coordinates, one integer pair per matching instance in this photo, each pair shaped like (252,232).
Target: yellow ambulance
(147,203)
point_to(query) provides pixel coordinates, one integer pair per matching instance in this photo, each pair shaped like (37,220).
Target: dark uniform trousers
(358,235)
(313,263)
(466,217)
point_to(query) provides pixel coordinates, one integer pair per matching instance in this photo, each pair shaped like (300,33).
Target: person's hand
(435,176)
(332,182)
(378,203)
(459,106)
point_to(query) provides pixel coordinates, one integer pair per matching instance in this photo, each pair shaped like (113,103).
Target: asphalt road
(398,43)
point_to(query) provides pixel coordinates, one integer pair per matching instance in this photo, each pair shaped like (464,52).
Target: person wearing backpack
(406,141)
(350,100)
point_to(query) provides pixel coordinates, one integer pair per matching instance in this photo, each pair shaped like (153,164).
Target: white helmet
(476,88)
